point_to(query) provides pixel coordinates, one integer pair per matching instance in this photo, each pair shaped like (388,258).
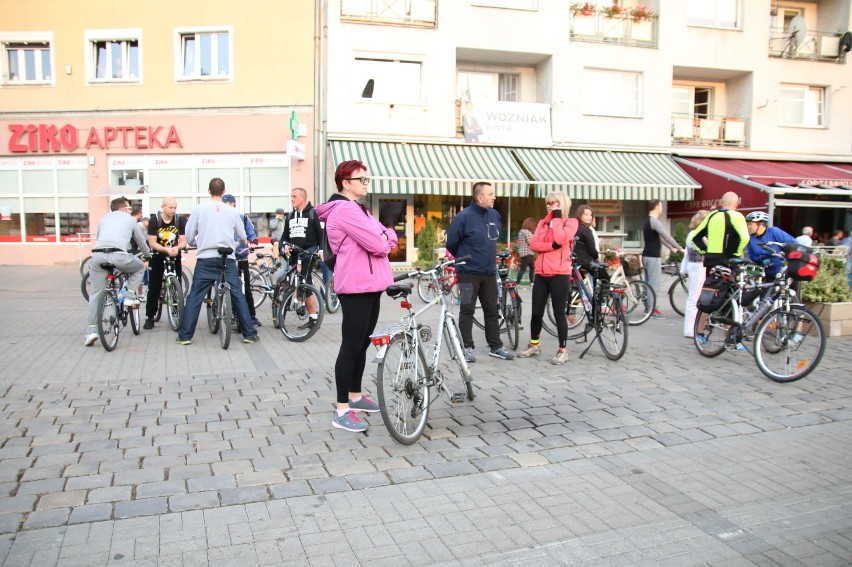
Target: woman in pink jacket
(553,240)
(361,274)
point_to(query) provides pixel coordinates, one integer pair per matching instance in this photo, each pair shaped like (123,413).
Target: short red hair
(345,171)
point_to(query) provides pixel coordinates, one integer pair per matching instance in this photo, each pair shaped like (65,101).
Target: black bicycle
(294,301)
(220,312)
(113,314)
(171,295)
(509,304)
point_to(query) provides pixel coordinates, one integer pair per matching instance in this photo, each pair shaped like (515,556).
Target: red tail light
(405,304)
(379,341)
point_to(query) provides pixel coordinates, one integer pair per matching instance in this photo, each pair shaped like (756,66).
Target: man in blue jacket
(757,223)
(474,233)
(242,254)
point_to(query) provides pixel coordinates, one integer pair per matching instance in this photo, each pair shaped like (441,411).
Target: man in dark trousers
(302,228)
(166,237)
(242,254)
(474,232)
(655,234)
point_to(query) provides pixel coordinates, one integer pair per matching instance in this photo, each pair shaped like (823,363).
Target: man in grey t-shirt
(655,235)
(116,231)
(211,226)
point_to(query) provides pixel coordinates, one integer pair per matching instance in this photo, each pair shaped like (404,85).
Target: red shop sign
(29,138)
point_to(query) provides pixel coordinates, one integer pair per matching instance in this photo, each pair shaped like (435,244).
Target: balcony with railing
(807,45)
(695,130)
(415,13)
(636,26)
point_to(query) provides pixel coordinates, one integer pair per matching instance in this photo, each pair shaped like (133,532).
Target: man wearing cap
(242,254)
(211,226)
(276,228)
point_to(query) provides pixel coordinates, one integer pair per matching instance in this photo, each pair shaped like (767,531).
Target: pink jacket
(550,262)
(358,240)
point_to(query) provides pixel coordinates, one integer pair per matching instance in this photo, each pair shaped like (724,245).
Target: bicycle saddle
(107,266)
(225,251)
(503,255)
(396,291)
(597,266)
(262,256)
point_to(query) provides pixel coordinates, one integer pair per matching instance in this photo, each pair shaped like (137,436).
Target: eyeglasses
(552,203)
(364,180)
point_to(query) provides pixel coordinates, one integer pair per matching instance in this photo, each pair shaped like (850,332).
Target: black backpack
(717,289)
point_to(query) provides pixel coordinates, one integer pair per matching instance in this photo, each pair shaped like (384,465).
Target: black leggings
(360,315)
(557,288)
(526,262)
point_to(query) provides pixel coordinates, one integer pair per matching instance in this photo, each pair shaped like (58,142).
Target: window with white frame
(27,58)
(802,105)
(114,56)
(388,80)
(482,86)
(715,13)
(204,54)
(611,93)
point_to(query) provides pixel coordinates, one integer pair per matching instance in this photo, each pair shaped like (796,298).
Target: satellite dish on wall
(796,34)
(846,42)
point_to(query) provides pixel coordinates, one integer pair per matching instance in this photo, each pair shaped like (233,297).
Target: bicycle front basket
(631,264)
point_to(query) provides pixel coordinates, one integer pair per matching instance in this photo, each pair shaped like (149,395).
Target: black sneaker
(502,353)
(255,322)
(149,324)
(309,324)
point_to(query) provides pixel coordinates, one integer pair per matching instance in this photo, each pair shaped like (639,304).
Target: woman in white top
(692,266)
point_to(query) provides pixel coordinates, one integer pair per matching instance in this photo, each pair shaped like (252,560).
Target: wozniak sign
(30,138)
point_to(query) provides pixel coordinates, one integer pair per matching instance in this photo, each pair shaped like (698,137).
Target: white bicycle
(409,367)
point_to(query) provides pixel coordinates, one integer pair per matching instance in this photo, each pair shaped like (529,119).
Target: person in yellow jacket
(723,234)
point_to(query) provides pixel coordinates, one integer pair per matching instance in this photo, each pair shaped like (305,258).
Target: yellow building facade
(100,100)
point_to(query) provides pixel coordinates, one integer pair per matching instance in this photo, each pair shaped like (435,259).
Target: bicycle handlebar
(418,272)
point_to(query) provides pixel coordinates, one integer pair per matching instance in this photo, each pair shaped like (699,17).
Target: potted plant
(426,240)
(830,297)
(641,13)
(614,11)
(583,8)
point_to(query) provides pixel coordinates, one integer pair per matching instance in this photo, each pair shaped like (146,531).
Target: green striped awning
(607,175)
(434,169)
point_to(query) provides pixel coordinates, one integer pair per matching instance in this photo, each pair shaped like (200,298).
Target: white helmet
(757,216)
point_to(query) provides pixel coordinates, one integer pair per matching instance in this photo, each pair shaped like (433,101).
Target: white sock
(355,399)
(340,412)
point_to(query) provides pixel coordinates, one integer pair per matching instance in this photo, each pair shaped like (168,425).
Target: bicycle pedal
(458,398)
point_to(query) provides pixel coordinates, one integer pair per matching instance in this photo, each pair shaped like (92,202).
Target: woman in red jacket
(553,240)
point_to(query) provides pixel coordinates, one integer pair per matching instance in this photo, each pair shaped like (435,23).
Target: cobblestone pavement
(160,454)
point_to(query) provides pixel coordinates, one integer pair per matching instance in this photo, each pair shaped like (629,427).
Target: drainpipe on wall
(320,61)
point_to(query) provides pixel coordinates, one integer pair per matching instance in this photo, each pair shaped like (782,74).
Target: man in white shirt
(805,238)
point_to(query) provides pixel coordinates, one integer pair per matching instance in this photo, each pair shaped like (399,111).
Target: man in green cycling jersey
(723,234)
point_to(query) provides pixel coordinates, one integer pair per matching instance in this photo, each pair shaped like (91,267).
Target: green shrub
(830,285)
(426,239)
(679,235)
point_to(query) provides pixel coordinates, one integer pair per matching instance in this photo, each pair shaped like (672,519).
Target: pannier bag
(802,264)
(631,264)
(717,289)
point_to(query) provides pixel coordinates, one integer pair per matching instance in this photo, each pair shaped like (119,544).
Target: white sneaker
(91,338)
(130,300)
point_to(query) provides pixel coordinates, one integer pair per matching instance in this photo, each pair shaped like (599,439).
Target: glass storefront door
(395,212)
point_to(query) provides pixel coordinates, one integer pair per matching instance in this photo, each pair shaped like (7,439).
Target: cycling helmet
(757,216)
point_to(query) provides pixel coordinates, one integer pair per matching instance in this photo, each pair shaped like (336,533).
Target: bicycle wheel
(160,301)
(84,265)
(612,334)
(133,315)
(84,286)
(798,338)
(174,303)
(225,318)
(512,318)
(678,292)
(277,299)
(185,280)
(212,302)
(402,390)
(639,302)
(108,320)
(426,288)
(332,302)
(478,317)
(259,286)
(294,316)
(715,332)
(457,392)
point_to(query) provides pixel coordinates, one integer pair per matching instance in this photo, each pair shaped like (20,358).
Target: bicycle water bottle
(121,293)
(764,308)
